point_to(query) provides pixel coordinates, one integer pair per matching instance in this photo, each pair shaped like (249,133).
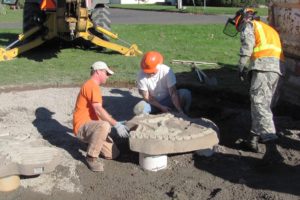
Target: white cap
(101,65)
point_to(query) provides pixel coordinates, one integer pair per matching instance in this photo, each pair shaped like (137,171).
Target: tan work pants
(95,133)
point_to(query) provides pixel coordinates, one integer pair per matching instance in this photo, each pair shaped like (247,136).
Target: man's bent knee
(110,150)
(142,108)
(185,97)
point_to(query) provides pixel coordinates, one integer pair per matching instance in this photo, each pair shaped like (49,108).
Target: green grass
(189,9)
(71,65)
(10,16)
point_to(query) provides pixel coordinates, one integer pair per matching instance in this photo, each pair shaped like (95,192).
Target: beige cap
(101,65)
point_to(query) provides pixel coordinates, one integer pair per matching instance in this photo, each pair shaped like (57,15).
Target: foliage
(2,9)
(227,3)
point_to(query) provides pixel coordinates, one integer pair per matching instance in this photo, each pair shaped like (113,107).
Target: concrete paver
(166,133)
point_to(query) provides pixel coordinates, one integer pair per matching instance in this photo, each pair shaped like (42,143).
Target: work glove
(122,130)
(243,71)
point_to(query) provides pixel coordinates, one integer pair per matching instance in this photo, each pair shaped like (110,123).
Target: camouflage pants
(263,87)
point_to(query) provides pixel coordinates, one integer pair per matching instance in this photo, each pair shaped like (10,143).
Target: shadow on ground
(228,105)
(124,112)
(124,104)
(268,173)
(56,133)
(7,38)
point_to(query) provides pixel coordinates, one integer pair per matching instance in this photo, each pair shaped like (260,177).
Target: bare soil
(231,173)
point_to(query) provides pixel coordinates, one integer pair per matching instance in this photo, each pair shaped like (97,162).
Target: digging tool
(203,78)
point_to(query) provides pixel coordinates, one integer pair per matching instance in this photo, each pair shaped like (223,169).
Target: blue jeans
(185,98)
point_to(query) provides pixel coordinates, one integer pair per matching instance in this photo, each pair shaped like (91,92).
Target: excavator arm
(29,40)
(48,30)
(127,51)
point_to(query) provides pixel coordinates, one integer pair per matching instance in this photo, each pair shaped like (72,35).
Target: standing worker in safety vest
(260,44)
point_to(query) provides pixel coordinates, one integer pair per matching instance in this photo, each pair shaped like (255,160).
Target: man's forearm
(176,103)
(105,116)
(153,101)
(175,98)
(149,99)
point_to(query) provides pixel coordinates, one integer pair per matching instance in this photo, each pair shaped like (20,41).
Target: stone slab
(21,158)
(167,133)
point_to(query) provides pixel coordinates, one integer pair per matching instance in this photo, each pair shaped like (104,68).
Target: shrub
(227,3)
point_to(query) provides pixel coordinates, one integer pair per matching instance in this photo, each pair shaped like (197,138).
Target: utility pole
(179,4)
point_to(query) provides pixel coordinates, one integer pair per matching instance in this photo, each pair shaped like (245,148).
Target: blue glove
(122,130)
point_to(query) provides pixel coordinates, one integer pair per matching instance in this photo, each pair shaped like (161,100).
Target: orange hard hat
(150,60)
(241,15)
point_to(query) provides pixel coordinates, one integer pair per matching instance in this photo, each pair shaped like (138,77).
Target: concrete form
(21,158)
(166,133)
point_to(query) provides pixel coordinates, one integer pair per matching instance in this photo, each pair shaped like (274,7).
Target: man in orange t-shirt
(92,123)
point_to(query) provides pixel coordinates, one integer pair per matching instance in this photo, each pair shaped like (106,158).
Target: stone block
(21,158)
(168,133)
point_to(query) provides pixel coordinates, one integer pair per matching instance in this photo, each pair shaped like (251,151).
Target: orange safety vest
(267,42)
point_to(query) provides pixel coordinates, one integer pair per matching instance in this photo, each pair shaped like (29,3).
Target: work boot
(251,144)
(95,164)
(264,138)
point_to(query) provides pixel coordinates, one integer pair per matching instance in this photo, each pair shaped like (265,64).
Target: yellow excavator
(69,20)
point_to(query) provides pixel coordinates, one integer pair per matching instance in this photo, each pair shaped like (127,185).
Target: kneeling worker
(157,85)
(92,123)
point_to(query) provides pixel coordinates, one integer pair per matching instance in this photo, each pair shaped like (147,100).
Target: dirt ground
(231,173)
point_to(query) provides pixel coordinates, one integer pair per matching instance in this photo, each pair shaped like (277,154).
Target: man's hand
(122,130)
(165,109)
(243,70)
(182,115)
(243,73)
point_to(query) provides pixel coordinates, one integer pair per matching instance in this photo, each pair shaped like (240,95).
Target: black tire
(100,17)
(32,16)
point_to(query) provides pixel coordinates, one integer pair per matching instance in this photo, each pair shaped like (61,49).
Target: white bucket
(153,163)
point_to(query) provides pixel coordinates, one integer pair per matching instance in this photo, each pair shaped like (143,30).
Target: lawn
(51,65)
(10,16)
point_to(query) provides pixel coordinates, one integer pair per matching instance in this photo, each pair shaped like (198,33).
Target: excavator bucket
(7,55)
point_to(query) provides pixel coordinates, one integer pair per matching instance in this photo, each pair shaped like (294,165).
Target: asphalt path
(124,16)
